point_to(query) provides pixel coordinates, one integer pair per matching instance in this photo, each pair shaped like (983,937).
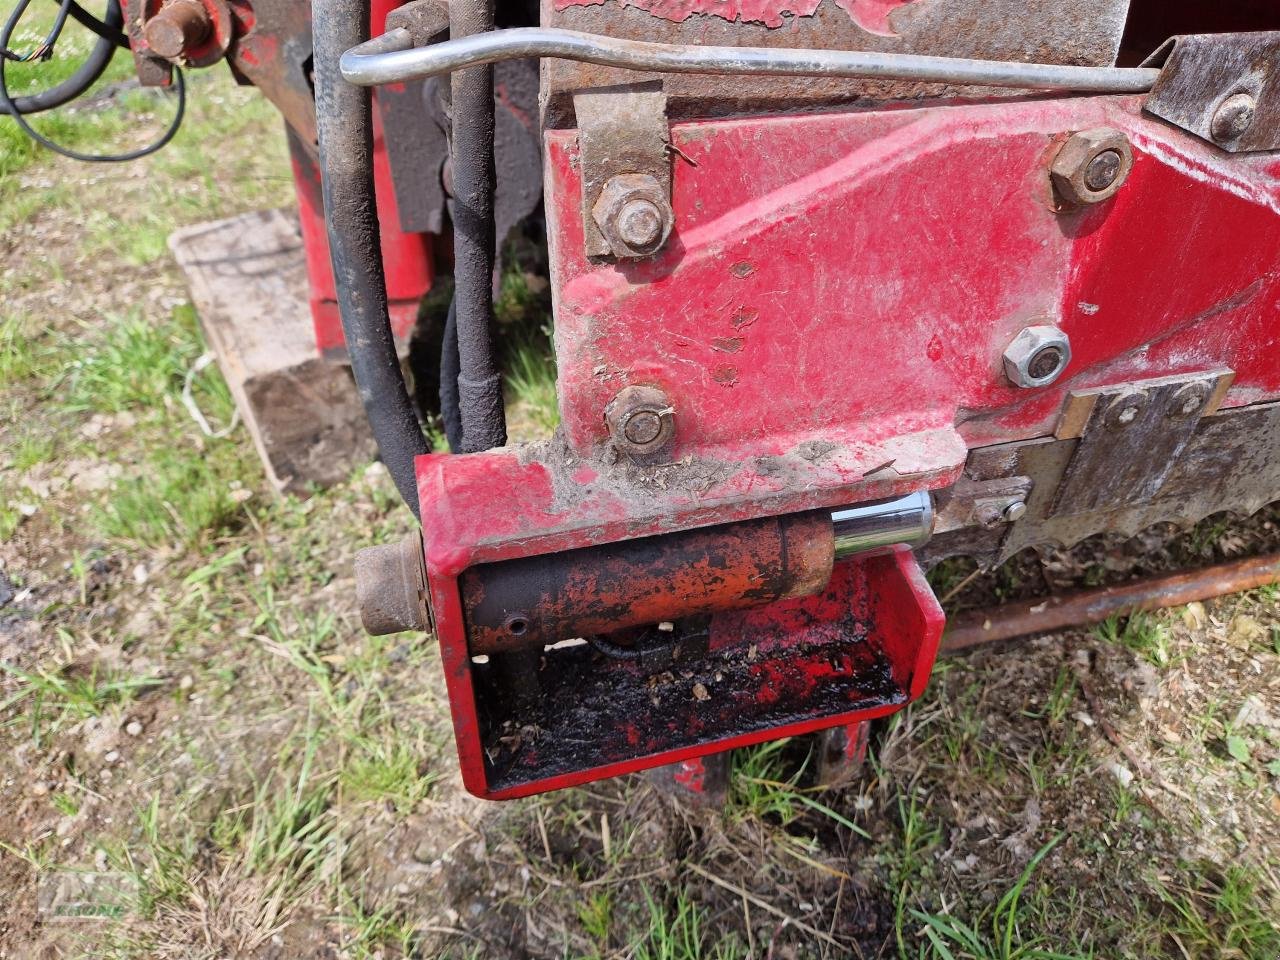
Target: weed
(758,790)
(919,836)
(21,357)
(175,498)
(595,913)
(58,696)
(10,517)
(134,365)
(950,937)
(676,932)
(1140,632)
(288,830)
(386,768)
(1228,916)
(370,932)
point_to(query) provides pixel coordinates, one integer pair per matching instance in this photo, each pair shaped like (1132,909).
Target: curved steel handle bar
(392,58)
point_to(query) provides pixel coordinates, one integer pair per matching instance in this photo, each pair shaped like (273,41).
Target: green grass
(997,937)
(175,498)
(130,363)
(386,767)
(678,931)
(52,697)
(531,379)
(1222,915)
(1143,633)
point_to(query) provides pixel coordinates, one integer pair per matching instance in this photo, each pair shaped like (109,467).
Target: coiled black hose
(344,121)
(106,30)
(94,65)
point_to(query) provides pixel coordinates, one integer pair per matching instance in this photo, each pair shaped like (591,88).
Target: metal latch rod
(392,58)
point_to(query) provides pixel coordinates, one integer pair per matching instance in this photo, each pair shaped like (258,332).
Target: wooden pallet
(248,281)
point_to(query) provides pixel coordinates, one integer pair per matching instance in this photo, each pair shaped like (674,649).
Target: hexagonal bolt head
(1091,166)
(1037,356)
(634,215)
(1233,118)
(641,421)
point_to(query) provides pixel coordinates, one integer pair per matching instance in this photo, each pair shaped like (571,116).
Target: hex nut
(1037,356)
(634,215)
(1091,166)
(641,422)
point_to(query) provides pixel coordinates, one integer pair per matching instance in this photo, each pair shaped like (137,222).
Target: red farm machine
(841,288)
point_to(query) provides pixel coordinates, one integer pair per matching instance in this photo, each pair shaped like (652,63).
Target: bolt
(633,214)
(641,422)
(640,223)
(1126,409)
(643,427)
(1037,356)
(1233,118)
(1045,363)
(177,28)
(1103,170)
(1015,511)
(1091,166)
(1189,400)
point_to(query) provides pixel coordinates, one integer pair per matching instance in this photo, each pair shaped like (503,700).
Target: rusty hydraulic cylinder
(1093,606)
(535,601)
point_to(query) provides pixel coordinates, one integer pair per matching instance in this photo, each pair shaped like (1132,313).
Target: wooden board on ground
(248,281)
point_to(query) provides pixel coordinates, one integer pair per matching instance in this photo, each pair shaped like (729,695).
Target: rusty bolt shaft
(177,29)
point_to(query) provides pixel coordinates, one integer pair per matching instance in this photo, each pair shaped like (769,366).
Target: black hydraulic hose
(450,409)
(107,29)
(94,65)
(344,120)
(474,244)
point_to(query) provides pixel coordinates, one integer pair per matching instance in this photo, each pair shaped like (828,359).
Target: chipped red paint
(873,15)
(912,244)
(836,296)
(690,774)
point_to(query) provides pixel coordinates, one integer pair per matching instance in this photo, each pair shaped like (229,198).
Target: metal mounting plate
(621,130)
(1202,72)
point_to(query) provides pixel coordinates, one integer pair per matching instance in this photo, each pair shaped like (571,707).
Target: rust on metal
(536,601)
(1091,166)
(178,27)
(1222,88)
(1132,441)
(391,587)
(622,134)
(642,424)
(1094,606)
(1087,33)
